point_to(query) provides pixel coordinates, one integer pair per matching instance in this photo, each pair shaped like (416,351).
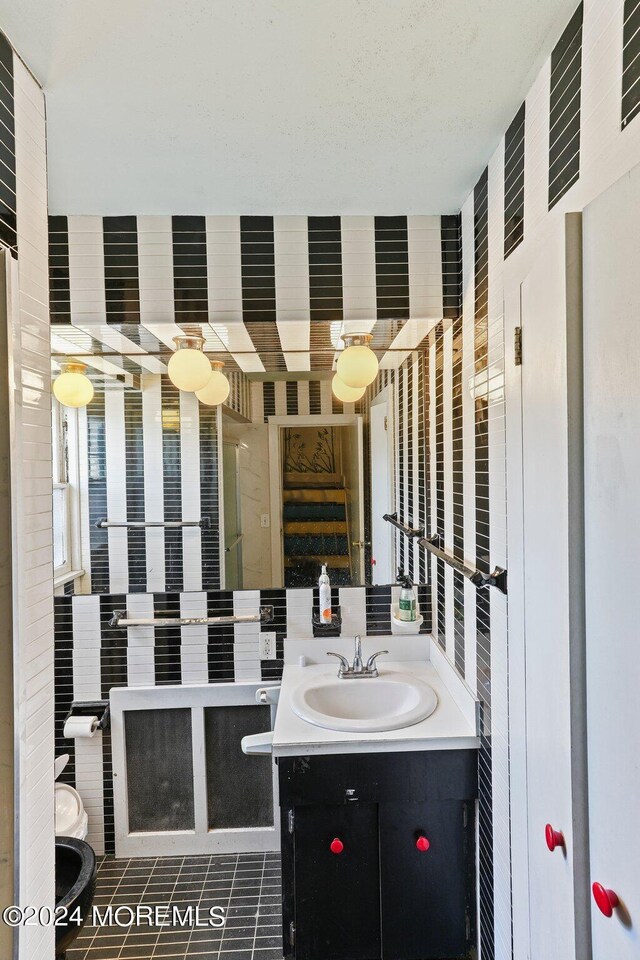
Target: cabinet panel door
(612,534)
(546,600)
(426,895)
(337,895)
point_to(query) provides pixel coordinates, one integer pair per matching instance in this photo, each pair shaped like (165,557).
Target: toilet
(70,815)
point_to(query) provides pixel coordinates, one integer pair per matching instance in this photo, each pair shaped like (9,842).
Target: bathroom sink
(386,702)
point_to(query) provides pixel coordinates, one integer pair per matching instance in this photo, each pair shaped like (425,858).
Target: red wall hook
(607,900)
(554,838)
(336,845)
(422,844)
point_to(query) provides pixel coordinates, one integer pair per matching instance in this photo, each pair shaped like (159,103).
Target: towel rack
(433,544)
(204,524)
(410,532)
(121,620)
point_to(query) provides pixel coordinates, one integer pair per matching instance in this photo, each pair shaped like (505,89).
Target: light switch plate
(264,520)
(268,645)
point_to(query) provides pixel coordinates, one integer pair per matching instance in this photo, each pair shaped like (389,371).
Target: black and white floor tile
(247,887)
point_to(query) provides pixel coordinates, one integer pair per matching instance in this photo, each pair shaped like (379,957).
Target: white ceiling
(277,106)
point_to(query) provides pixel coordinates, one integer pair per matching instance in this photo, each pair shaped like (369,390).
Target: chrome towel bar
(121,621)
(433,544)
(204,524)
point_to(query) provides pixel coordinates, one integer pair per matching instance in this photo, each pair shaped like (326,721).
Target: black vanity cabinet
(378,855)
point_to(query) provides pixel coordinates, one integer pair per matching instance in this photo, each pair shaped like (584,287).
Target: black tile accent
(220,639)
(378,610)
(392,267)
(8,223)
(325,268)
(59,290)
(410,490)
(451,244)
(113,673)
(483,618)
(190,291)
(439,480)
(271,670)
(98,539)
(269,398)
(134,466)
(630,61)
(257,252)
(564,109)
(172,475)
(400,446)
(423,459)
(314,397)
(457,490)
(167,653)
(122,286)
(209,507)
(63,683)
(292,398)
(514,183)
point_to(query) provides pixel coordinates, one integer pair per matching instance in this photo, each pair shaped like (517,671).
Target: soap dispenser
(407,605)
(324,590)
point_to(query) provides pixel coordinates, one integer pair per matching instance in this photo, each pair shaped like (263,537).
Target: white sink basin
(366,705)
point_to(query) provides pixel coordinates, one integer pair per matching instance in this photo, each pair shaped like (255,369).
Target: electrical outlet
(268,645)
(264,520)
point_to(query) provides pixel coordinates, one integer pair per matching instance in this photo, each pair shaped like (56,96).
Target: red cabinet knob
(554,838)
(606,899)
(422,844)
(336,845)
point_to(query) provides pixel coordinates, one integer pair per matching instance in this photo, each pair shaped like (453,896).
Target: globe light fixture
(357,365)
(73,388)
(217,389)
(189,369)
(347,394)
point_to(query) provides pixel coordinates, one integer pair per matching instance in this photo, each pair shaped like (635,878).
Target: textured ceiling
(277,106)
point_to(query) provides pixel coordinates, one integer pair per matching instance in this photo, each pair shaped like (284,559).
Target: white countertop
(446,729)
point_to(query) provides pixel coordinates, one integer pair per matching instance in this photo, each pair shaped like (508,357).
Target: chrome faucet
(356,670)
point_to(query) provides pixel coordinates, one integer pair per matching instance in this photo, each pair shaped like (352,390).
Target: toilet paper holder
(91,708)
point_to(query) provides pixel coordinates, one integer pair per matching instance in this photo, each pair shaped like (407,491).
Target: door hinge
(464,816)
(291,821)
(517,346)
(292,934)
(386,423)
(468,928)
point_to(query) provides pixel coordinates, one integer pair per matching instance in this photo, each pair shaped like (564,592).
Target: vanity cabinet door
(337,894)
(427,879)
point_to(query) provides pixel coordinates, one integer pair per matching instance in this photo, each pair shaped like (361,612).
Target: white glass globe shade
(347,394)
(73,389)
(189,369)
(357,366)
(216,391)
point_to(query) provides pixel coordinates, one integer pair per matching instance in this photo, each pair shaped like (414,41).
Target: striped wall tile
(514,161)
(8,205)
(630,61)
(564,115)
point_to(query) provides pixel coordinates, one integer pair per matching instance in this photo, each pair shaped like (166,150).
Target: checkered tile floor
(246,885)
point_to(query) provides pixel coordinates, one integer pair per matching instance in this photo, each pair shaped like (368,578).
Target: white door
(381,494)
(546,600)
(612,534)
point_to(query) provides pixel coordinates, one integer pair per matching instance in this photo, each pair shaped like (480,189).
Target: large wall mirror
(156,491)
